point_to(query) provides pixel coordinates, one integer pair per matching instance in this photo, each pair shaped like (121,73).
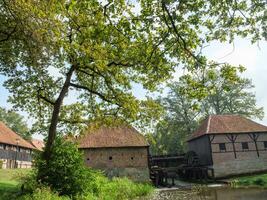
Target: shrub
(65,172)
(66,175)
(117,188)
(43,193)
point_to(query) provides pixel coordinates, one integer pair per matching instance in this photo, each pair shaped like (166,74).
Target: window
(222,147)
(132,158)
(88,159)
(110,158)
(244,145)
(265,144)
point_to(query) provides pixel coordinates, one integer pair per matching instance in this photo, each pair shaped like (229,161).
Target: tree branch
(174,28)
(91,91)
(46,100)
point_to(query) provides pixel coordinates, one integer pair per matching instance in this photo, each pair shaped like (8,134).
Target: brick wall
(135,157)
(246,161)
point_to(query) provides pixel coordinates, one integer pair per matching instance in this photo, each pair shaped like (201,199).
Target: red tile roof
(8,136)
(220,124)
(38,144)
(122,136)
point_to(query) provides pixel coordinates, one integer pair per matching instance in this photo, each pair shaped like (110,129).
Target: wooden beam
(232,138)
(255,137)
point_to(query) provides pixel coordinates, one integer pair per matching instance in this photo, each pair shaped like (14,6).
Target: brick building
(231,145)
(15,152)
(119,151)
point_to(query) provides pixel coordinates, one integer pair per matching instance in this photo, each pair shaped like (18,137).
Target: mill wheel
(191,159)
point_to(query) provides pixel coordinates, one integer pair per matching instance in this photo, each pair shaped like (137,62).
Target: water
(204,193)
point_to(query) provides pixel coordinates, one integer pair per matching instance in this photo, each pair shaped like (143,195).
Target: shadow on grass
(8,191)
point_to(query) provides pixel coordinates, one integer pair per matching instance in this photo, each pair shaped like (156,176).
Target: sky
(253,57)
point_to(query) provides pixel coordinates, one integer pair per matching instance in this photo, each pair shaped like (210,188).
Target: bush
(119,188)
(65,172)
(99,187)
(43,193)
(66,175)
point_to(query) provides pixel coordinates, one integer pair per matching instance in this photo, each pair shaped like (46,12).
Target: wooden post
(255,137)
(232,138)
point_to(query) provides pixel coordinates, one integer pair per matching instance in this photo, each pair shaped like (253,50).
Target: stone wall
(135,174)
(246,161)
(131,157)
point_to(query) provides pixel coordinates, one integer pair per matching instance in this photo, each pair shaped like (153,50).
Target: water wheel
(191,159)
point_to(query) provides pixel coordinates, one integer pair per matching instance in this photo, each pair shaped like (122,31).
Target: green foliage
(16,122)
(65,172)
(117,188)
(98,188)
(8,191)
(223,92)
(1,164)
(255,180)
(101,188)
(9,182)
(43,193)
(206,91)
(101,50)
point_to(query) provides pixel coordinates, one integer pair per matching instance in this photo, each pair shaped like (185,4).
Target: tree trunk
(55,114)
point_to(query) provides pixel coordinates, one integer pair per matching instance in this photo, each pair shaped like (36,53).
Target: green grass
(251,181)
(103,188)
(9,182)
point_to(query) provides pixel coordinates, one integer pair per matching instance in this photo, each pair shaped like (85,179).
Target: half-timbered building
(15,152)
(231,145)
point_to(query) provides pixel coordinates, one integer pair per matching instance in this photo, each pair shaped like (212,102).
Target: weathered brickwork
(131,162)
(246,161)
(130,157)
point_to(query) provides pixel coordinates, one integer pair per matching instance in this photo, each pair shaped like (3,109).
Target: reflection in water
(212,194)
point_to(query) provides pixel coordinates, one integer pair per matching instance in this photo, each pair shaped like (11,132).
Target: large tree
(48,49)
(16,122)
(185,106)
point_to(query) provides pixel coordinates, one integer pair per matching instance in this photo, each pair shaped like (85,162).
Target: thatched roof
(227,124)
(121,136)
(7,136)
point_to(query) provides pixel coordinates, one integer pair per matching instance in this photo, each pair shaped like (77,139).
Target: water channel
(221,193)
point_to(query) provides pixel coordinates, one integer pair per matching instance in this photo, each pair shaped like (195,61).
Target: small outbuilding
(119,151)
(231,145)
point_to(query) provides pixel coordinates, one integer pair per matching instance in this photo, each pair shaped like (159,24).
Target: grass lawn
(255,180)
(9,182)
